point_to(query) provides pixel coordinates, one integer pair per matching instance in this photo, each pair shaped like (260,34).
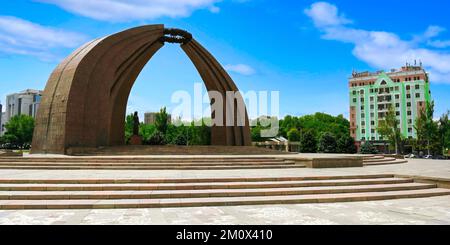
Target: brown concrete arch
(84,101)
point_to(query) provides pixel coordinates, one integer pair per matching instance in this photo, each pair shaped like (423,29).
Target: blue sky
(304,49)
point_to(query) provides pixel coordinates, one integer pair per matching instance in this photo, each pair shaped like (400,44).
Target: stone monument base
(136,140)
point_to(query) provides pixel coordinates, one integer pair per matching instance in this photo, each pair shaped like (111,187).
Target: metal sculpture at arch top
(84,102)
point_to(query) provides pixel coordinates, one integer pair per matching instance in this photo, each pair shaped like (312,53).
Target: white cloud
(240,69)
(325,14)
(128,10)
(18,36)
(380,49)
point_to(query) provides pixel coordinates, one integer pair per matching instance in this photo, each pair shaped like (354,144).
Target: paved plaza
(430,210)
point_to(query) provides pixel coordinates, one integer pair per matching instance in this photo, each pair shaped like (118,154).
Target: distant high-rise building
(22,103)
(150,117)
(371,95)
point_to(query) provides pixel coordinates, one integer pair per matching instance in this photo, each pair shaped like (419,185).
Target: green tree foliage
(320,123)
(444,132)
(157,138)
(389,128)
(317,124)
(346,144)
(162,121)
(308,143)
(146,131)
(19,131)
(293,135)
(128,127)
(427,128)
(368,148)
(327,143)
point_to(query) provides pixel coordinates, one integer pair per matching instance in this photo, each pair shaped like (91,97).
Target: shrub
(308,143)
(327,143)
(293,135)
(157,138)
(368,148)
(346,144)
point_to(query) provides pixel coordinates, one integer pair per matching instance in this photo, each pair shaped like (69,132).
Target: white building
(23,103)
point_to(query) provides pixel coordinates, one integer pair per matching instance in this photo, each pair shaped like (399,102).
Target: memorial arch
(84,102)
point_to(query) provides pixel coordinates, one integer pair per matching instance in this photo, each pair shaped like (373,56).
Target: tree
(157,138)
(368,148)
(128,127)
(19,131)
(308,143)
(389,128)
(444,132)
(425,126)
(327,143)
(293,135)
(162,120)
(146,131)
(346,144)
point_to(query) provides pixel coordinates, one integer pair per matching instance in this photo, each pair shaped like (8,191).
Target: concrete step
(218,201)
(174,163)
(169,194)
(139,160)
(396,161)
(191,180)
(385,159)
(201,186)
(372,157)
(163,167)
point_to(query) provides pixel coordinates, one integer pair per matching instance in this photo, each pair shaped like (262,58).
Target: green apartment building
(371,95)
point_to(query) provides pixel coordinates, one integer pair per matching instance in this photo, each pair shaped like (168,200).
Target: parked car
(428,157)
(410,156)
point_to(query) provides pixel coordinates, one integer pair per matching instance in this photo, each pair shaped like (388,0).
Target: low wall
(335,163)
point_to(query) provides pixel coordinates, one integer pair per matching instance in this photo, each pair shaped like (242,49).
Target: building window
(373,131)
(372,123)
(397,96)
(409,113)
(397,105)
(408,96)
(372,114)
(362,108)
(371,90)
(363,131)
(354,92)
(371,99)
(363,115)
(409,130)
(362,99)
(396,88)
(363,123)
(397,113)
(409,121)
(417,86)
(354,100)
(408,104)
(417,95)
(19,110)
(408,87)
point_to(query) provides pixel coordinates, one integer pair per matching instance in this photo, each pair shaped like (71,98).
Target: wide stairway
(147,163)
(373,160)
(159,193)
